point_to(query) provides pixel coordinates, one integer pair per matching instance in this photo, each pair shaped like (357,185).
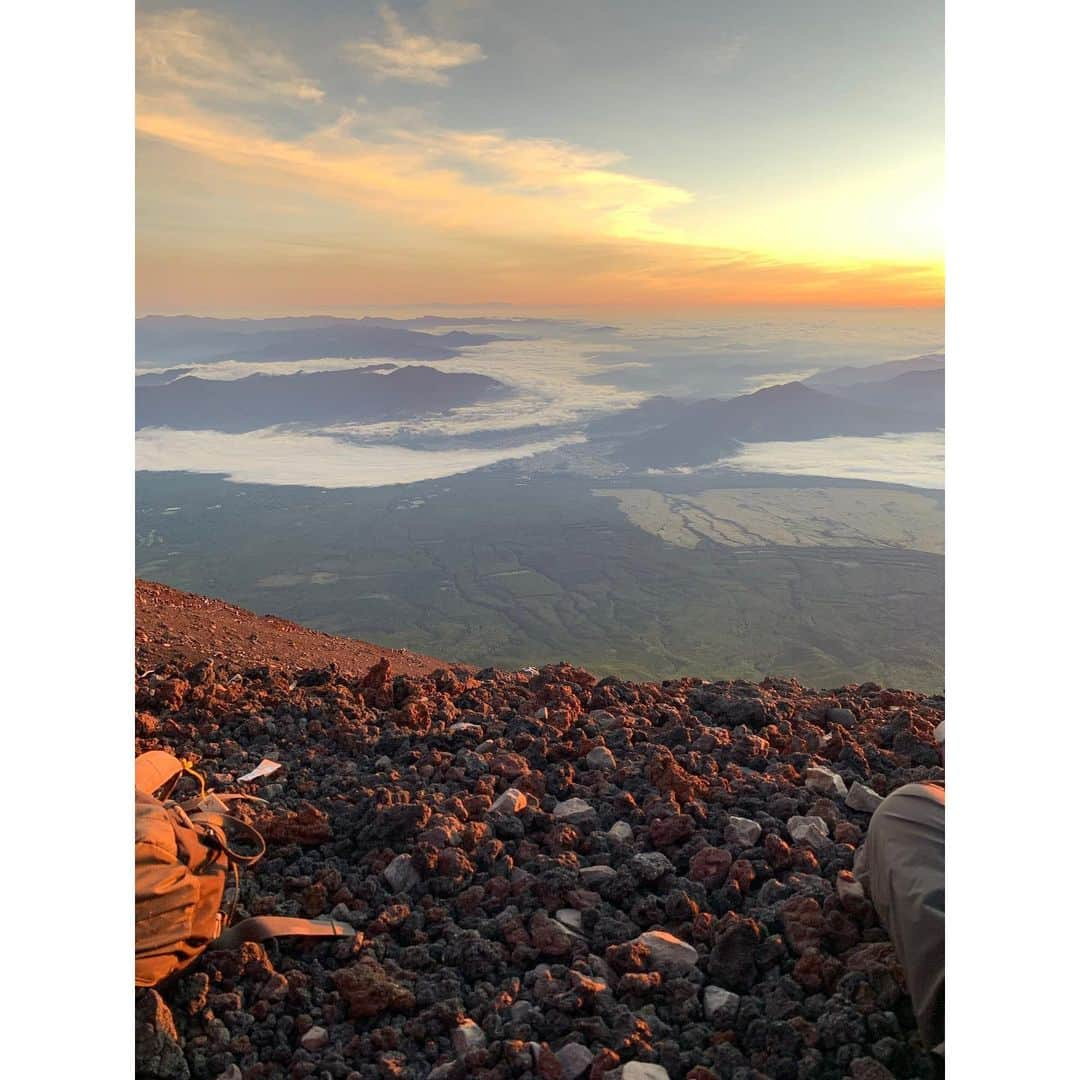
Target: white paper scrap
(266,767)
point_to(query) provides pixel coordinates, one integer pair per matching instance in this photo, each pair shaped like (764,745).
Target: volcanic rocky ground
(550,875)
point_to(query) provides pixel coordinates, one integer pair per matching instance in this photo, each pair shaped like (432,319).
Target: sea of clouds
(917,458)
(561,381)
(273,456)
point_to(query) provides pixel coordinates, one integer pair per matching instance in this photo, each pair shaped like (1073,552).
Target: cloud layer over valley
(277,457)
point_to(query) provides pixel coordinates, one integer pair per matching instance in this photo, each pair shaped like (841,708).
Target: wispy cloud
(532,221)
(301,213)
(193,52)
(410,57)
(472,181)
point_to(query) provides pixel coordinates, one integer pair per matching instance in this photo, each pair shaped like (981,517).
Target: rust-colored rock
(742,874)
(548,937)
(777,851)
(171,693)
(605,1061)
(640,982)
(308,826)
(816,971)
(872,957)
(508,765)
(670,778)
(378,675)
(368,990)
(804,924)
(672,830)
(629,956)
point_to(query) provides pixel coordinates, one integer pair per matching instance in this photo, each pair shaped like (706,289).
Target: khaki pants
(903,870)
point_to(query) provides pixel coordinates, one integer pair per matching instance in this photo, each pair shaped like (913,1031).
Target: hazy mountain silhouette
(186,339)
(695,433)
(918,392)
(319,397)
(850,376)
(652,413)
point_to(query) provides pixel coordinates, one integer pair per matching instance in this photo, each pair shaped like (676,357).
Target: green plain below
(510,573)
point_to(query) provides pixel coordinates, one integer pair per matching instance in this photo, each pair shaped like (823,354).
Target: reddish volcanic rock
(508,765)
(710,863)
(777,851)
(548,937)
(378,675)
(309,826)
(628,957)
(648,895)
(670,778)
(170,694)
(816,971)
(640,982)
(804,924)
(368,991)
(742,874)
(672,830)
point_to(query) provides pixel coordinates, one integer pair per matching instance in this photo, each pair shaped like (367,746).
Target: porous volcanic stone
(721,1006)
(844,717)
(742,832)
(668,954)
(710,863)
(575,812)
(400,874)
(463,728)
(825,781)
(847,887)
(599,757)
(467,1036)
(650,866)
(575,1060)
(315,1038)
(594,875)
(511,801)
(812,831)
(157,1051)
(570,918)
(368,990)
(863,799)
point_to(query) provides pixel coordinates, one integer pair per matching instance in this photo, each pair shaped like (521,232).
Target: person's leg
(903,870)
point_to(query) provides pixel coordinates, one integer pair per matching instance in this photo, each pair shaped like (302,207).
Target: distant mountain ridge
(319,397)
(187,339)
(890,369)
(920,392)
(696,433)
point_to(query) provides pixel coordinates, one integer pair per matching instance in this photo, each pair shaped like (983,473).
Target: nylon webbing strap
(154,769)
(226,828)
(263,927)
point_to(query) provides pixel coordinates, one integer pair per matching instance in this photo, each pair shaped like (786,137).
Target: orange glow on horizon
(370,209)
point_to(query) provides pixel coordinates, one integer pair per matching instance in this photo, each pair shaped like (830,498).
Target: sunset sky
(340,155)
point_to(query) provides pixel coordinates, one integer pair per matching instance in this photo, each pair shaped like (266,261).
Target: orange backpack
(184,854)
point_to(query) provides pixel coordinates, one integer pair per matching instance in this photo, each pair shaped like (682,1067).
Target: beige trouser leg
(903,870)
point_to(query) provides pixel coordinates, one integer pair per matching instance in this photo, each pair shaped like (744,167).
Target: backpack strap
(155,769)
(263,927)
(217,801)
(222,826)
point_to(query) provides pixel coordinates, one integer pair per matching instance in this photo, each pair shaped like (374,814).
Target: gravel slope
(549,876)
(184,627)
